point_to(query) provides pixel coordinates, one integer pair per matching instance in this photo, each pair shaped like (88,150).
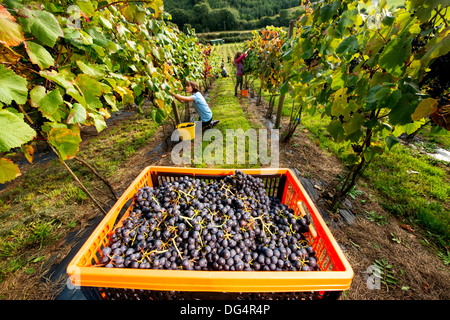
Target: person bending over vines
(200,104)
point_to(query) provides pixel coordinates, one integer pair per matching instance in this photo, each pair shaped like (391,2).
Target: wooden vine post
(282,95)
(175,112)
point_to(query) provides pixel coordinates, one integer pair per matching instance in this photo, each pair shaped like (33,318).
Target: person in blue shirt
(200,104)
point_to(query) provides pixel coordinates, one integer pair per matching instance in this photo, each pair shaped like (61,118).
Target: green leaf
(158,115)
(12,87)
(339,102)
(8,170)
(49,106)
(158,53)
(106,23)
(58,78)
(96,72)
(438,49)
(91,90)
(424,8)
(42,24)
(284,88)
(14,131)
(39,55)
(348,46)
(36,95)
(338,79)
(348,19)
(77,114)
(336,130)
(99,122)
(391,141)
(111,100)
(327,12)
(307,49)
(86,7)
(354,124)
(65,141)
(394,55)
(402,111)
(48,103)
(408,128)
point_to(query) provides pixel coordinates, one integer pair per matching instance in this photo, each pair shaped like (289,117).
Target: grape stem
(179,253)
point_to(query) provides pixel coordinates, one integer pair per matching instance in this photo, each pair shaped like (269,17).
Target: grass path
(227,109)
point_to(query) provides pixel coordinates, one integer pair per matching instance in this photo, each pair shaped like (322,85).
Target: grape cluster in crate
(227,224)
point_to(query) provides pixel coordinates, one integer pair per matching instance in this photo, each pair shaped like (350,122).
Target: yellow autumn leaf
(8,170)
(28,151)
(11,33)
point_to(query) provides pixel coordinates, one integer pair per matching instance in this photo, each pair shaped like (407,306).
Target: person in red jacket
(239,63)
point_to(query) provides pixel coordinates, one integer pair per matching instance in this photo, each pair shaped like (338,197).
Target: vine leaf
(8,170)
(28,151)
(354,124)
(327,12)
(48,103)
(438,46)
(39,55)
(58,78)
(394,55)
(424,8)
(98,121)
(391,140)
(12,87)
(158,115)
(96,72)
(336,130)
(41,24)
(65,141)
(15,131)
(425,108)
(158,7)
(348,46)
(77,114)
(133,14)
(86,7)
(91,90)
(11,33)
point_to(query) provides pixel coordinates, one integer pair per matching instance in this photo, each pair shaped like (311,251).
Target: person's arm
(241,57)
(182,98)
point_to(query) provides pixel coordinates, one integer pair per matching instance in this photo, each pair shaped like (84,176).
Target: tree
(230,17)
(200,13)
(181,17)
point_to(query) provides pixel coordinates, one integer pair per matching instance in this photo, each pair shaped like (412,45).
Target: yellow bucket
(186,130)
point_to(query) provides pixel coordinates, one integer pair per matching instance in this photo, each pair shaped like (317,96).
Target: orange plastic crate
(336,273)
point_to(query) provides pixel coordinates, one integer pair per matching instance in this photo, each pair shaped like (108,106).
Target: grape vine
(264,60)
(71,63)
(374,77)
